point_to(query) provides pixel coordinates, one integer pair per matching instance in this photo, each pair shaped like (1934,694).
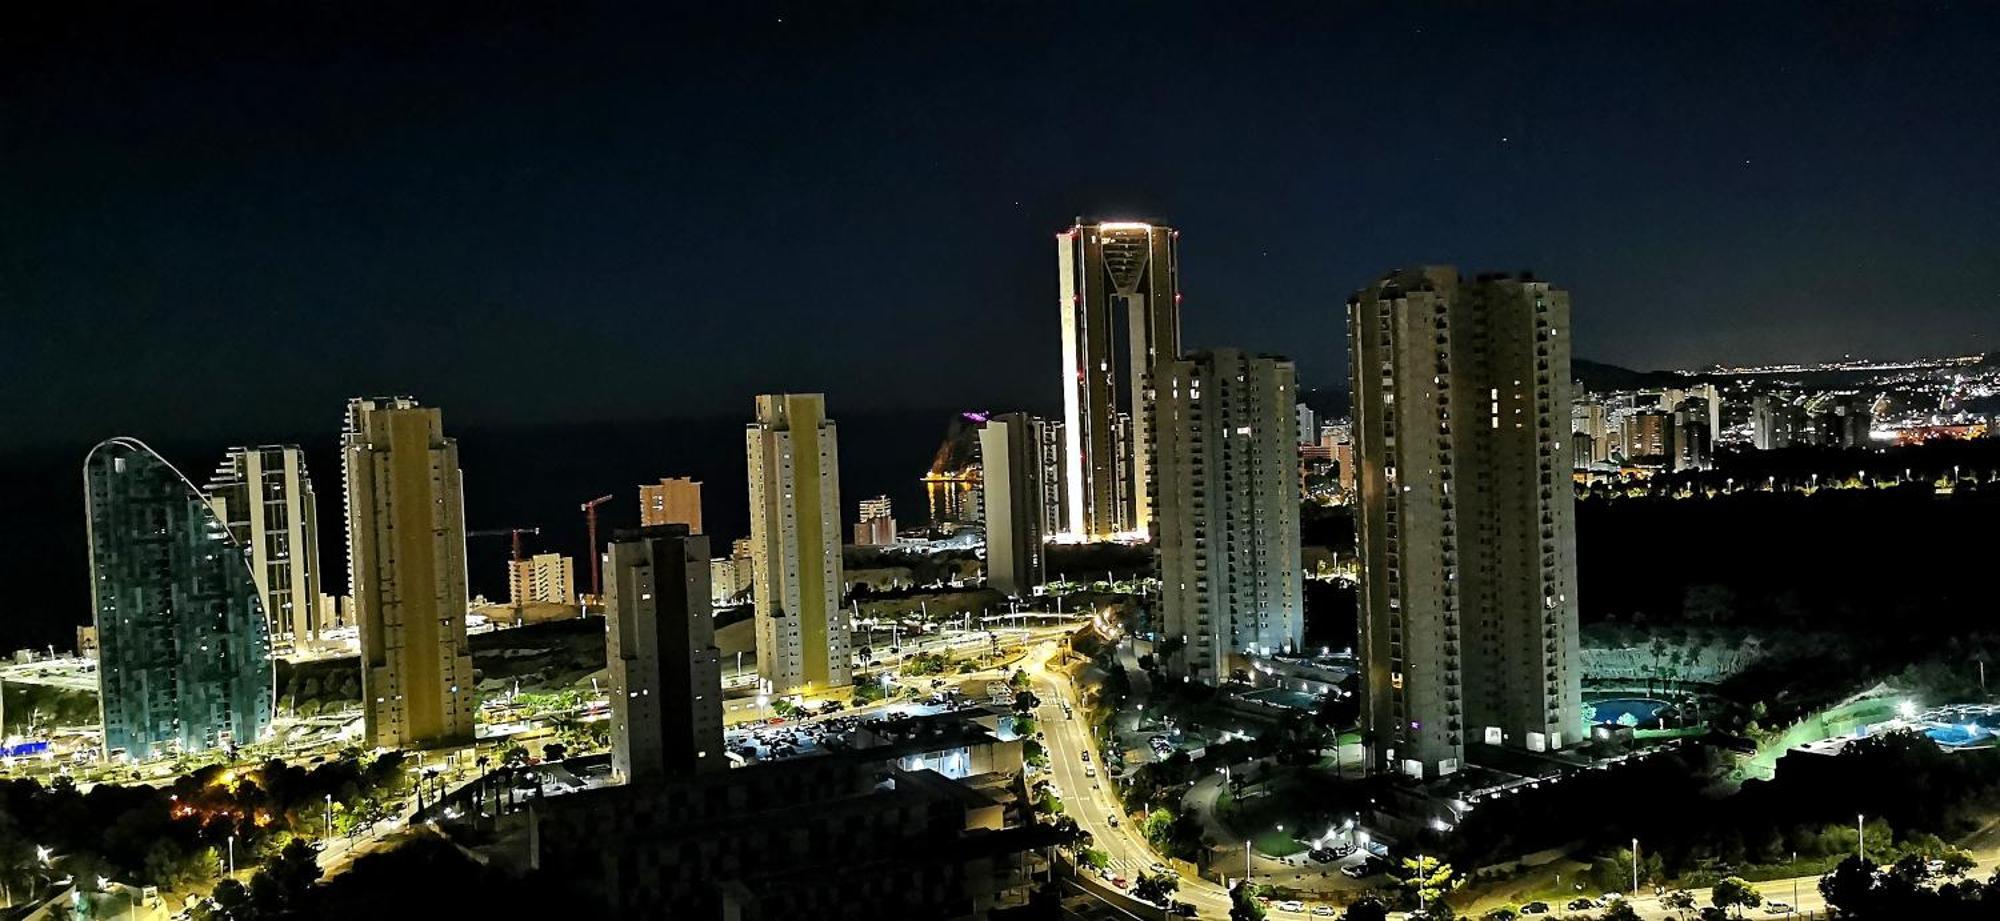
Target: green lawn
(1275,843)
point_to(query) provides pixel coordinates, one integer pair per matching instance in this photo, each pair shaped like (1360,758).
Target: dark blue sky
(224,223)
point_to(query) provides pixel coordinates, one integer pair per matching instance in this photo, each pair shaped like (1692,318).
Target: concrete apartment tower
(794,459)
(265,497)
(1227,484)
(674,500)
(665,670)
(406,572)
(545,578)
(1119,289)
(1010,455)
(1466,523)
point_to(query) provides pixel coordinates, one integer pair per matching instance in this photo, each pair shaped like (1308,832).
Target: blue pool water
(1975,731)
(1642,712)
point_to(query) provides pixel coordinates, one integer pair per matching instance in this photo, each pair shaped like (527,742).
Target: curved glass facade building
(184,652)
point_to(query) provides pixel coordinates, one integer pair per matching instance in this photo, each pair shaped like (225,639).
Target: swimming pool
(1637,712)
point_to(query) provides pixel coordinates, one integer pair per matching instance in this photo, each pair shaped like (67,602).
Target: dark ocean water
(527,476)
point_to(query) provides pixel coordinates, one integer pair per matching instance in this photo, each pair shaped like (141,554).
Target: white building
(794,460)
(265,497)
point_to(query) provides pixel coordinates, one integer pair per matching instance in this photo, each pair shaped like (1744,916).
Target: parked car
(1323,911)
(1581,904)
(1354,870)
(1778,908)
(1112,818)
(1535,908)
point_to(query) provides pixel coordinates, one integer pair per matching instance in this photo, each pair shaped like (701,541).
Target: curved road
(1092,801)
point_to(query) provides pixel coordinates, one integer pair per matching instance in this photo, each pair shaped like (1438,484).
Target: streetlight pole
(1861,848)
(1248,869)
(329,817)
(232,854)
(1635,869)
(1423,877)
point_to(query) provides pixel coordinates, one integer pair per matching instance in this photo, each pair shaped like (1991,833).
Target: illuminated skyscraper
(1227,483)
(546,578)
(266,498)
(406,572)
(794,460)
(1120,299)
(665,670)
(674,500)
(1010,455)
(184,655)
(1466,523)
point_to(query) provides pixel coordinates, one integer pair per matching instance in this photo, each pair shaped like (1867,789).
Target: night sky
(233,221)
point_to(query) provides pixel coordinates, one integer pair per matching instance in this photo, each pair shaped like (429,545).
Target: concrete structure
(1108,269)
(1340,439)
(794,458)
(1776,421)
(1010,455)
(1055,479)
(184,648)
(335,611)
(1587,417)
(876,524)
(547,578)
(1694,440)
(265,497)
(1649,434)
(1308,425)
(665,670)
(406,573)
(674,500)
(1466,529)
(1227,490)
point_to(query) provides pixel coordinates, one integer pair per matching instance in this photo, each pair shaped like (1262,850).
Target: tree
(1095,858)
(1850,887)
(1620,910)
(1156,826)
(1734,893)
(1957,864)
(1680,900)
(1157,888)
(1243,905)
(1368,908)
(1426,879)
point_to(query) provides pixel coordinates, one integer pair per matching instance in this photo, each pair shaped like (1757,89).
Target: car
(1342,850)
(1112,818)
(1163,869)
(1322,911)
(1581,904)
(1119,881)
(1535,908)
(1089,771)
(1778,908)
(1182,910)
(1935,867)
(1608,898)
(1086,756)
(1321,855)
(1292,905)
(1354,871)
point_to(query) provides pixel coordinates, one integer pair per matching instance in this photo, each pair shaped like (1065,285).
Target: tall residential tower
(406,573)
(1010,456)
(1120,300)
(794,460)
(1227,484)
(1466,528)
(266,498)
(184,652)
(665,670)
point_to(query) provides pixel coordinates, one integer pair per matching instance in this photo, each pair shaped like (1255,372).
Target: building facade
(266,498)
(794,460)
(406,574)
(674,500)
(665,670)
(1010,455)
(548,578)
(1228,526)
(1119,291)
(876,523)
(1466,528)
(184,648)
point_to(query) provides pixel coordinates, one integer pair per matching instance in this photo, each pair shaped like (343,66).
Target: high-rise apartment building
(406,573)
(1776,421)
(545,578)
(1466,528)
(665,670)
(1339,439)
(1055,480)
(876,524)
(184,649)
(265,497)
(1649,433)
(674,500)
(794,459)
(1120,300)
(1587,417)
(1694,440)
(1227,488)
(1010,454)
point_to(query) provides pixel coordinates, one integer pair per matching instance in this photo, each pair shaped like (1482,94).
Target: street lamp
(1249,869)
(1861,846)
(329,816)
(232,853)
(1635,869)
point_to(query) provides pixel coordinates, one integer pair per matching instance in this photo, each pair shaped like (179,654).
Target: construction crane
(520,602)
(590,525)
